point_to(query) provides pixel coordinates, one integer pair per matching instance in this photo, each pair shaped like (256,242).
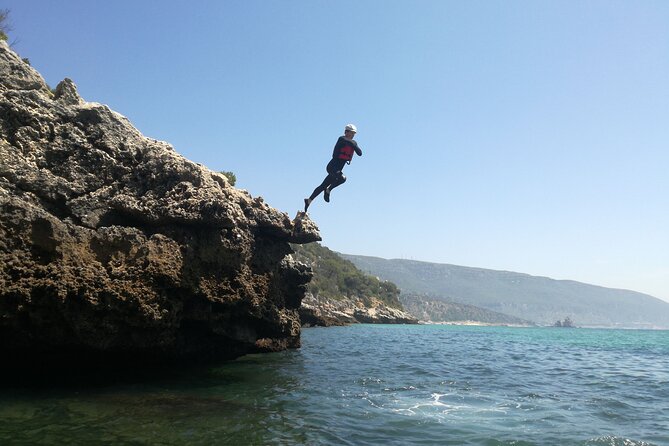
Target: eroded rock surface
(325,312)
(114,245)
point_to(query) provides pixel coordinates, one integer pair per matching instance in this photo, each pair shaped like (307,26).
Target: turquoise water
(378,384)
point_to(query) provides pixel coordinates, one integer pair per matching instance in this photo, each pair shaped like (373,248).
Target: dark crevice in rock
(44,243)
(57,157)
(115,217)
(87,117)
(12,120)
(57,207)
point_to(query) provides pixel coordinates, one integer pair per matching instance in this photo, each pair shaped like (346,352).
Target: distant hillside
(434,310)
(538,299)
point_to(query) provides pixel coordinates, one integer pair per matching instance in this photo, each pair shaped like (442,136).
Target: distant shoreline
(473,323)
(490,324)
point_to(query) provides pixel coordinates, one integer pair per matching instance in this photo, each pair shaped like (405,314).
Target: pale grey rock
(15,74)
(322,311)
(304,229)
(66,92)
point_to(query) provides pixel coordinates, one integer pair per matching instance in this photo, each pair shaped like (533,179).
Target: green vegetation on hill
(338,279)
(232,178)
(4,25)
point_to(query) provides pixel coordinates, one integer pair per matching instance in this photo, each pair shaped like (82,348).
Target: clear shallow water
(379,384)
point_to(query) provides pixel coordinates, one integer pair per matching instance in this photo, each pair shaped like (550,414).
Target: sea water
(376,385)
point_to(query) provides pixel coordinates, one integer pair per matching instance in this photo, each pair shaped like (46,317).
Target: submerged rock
(112,245)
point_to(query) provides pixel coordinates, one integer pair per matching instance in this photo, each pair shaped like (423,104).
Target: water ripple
(369,385)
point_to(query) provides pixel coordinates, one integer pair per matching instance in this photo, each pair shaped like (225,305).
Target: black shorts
(335,165)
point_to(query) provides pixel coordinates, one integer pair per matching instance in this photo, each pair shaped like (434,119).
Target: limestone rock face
(114,245)
(325,312)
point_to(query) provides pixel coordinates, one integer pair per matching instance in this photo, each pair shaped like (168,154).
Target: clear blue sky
(530,136)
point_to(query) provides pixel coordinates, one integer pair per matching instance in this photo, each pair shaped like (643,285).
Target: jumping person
(341,155)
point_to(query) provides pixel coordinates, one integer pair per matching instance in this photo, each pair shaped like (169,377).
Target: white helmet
(351,128)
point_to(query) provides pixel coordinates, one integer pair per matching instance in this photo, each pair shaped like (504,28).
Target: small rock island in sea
(115,248)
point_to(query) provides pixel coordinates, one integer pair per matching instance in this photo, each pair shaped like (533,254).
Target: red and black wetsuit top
(344,149)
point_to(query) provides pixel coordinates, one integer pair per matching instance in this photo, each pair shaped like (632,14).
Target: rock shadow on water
(102,371)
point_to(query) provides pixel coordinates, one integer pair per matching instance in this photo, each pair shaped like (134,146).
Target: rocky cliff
(341,294)
(325,312)
(113,246)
